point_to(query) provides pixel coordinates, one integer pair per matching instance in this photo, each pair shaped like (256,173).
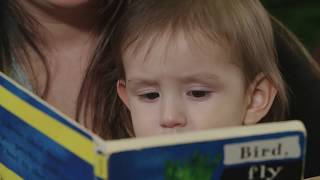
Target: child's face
(178,87)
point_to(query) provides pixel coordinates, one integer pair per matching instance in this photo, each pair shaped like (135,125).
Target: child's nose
(173,116)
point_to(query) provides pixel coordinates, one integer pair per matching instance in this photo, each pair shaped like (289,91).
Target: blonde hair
(243,24)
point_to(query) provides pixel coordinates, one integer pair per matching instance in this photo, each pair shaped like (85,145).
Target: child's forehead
(193,42)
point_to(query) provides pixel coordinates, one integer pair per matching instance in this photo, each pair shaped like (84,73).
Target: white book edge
(113,146)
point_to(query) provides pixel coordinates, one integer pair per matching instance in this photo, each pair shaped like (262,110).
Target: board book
(38,142)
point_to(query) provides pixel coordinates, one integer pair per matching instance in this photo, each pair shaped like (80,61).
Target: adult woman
(49,46)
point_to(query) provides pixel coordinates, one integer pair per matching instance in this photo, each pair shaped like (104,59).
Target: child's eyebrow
(201,78)
(193,78)
(139,82)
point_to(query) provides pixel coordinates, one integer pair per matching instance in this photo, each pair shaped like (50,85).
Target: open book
(38,142)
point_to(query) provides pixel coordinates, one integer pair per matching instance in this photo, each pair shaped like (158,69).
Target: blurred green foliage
(301,17)
(198,167)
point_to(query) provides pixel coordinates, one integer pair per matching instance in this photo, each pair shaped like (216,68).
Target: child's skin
(177,85)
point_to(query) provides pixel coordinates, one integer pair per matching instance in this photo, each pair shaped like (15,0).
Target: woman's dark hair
(302,75)
(98,96)
(18,40)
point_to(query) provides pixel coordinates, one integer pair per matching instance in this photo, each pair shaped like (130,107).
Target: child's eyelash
(149,95)
(198,93)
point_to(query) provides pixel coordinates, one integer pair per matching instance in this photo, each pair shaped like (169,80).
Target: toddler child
(197,64)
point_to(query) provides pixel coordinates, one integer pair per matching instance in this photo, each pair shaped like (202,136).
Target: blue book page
(37,142)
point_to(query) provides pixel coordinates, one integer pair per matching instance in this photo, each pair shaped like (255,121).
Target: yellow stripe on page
(7,174)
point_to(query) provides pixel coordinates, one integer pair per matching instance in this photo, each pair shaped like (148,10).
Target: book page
(38,142)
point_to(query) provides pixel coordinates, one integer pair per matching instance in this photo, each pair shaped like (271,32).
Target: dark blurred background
(302,18)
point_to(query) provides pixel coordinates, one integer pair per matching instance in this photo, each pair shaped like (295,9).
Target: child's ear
(261,93)
(122,92)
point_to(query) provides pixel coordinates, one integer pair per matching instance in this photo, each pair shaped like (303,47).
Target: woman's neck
(69,40)
(62,27)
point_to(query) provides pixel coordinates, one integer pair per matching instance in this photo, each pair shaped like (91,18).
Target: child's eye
(198,93)
(150,96)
